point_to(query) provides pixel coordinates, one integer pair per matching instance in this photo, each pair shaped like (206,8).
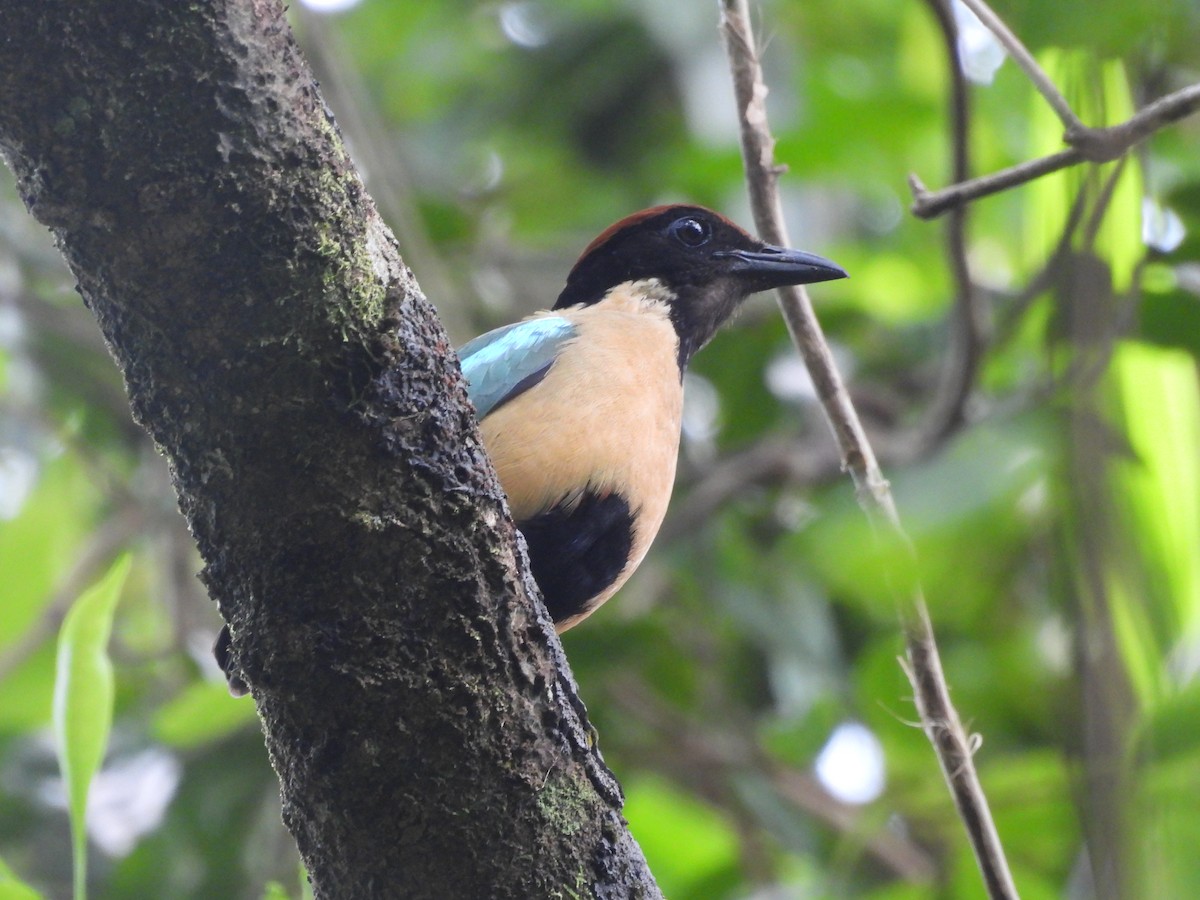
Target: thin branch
(758,151)
(1023,58)
(1091,328)
(1100,208)
(968,319)
(938,717)
(1021,302)
(1105,144)
(1083,206)
(1087,145)
(929,204)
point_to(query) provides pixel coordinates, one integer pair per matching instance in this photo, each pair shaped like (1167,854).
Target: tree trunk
(415,701)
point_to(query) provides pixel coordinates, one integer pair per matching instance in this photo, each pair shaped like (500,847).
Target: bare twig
(1023,58)
(1088,209)
(1100,207)
(1045,277)
(1086,145)
(938,717)
(929,204)
(968,320)
(1106,144)
(1091,317)
(758,151)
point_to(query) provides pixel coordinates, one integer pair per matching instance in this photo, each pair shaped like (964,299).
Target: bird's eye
(691,232)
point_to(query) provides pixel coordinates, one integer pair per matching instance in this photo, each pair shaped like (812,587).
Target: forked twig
(938,716)
(1085,144)
(968,322)
(1023,58)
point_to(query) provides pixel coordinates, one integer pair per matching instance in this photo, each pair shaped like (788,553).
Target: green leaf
(12,888)
(1161,487)
(83,701)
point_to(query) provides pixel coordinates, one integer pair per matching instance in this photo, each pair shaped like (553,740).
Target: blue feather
(502,363)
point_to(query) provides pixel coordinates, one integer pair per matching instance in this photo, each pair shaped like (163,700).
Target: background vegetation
(745,683)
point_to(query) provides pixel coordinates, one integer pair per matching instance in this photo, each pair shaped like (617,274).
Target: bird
(580,405)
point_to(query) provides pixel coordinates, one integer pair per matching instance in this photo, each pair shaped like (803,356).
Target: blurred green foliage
(1058,526)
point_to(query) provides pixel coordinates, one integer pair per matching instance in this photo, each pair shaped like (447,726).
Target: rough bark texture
(415,702)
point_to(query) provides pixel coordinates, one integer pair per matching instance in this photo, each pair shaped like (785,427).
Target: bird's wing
(503,363)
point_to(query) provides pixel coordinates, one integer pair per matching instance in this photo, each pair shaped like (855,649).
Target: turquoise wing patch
(503,363)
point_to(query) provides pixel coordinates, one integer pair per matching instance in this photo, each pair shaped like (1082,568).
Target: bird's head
(705,266)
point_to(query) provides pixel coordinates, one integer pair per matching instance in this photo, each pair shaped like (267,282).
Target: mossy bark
(414,700)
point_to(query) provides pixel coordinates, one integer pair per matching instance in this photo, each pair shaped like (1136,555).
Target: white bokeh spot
(329,6)
(127,800)
(850,765)
(978,49)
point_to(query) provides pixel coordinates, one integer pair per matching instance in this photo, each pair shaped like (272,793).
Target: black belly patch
(579,551)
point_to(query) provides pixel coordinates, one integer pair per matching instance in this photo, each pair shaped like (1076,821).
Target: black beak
(771,267)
